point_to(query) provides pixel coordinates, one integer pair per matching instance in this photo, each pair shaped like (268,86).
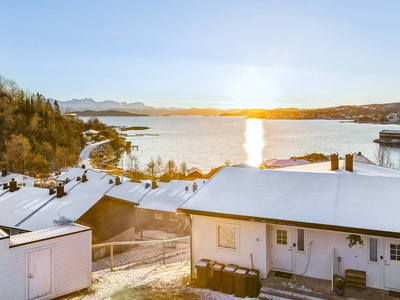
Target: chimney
(154,185)
(186,188)
(111,181)
(334,162)
(78,178)
(51,191)
(5,186)
(4,173)
(60,190)
(84,178)
(118,181)
(349,162)
(194,187)
(13,185)
(83,166)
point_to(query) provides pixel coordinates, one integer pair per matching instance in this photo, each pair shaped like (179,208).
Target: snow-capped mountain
(90,104)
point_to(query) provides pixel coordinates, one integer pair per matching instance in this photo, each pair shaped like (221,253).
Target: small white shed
(45,264)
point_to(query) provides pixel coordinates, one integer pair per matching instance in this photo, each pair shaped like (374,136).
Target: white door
(392,264)
(281,248)
(39,273)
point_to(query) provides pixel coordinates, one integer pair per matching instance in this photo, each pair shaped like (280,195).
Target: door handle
(290,249)
(30,276)
(386,264)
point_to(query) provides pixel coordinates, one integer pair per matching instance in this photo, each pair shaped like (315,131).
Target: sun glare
(254,141)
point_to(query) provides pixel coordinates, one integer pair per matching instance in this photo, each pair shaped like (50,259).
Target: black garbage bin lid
(218,267)
(253,273)
(241,271)
(203,263)
(230,268)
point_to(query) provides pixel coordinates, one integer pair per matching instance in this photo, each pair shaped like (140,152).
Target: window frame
(237,228)
(173,219)
(155,215)
(305,241)
(369,251)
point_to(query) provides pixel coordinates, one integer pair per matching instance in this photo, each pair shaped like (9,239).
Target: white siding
(72,265)
(352,258)
(252,240)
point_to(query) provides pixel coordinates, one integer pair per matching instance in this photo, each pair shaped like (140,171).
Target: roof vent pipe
(349,162)
(118,180)
(154,185)
(13,185)
(51,191)
(84,178)
(194,187)
(334,162)
(4,173)
(60,190)
(5,186)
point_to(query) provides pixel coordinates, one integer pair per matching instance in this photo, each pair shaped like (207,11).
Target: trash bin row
(230,279)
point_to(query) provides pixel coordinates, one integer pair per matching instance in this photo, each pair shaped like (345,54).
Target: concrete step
(286,294)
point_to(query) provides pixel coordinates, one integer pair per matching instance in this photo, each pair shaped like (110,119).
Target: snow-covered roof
(20,178)
(35,236)
(312,199)
(281,163)
(128,191)
(73,173)
(194,169)
(390,131)
(91,131)
(362,159)
(358,169)
(164,198)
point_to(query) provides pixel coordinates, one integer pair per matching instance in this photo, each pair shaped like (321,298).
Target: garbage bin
(241,282)
(228,280)
(203,273)
(217,276)
(253,281)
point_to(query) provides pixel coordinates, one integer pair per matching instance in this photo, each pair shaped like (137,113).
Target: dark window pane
(373,249)
(393,252)
(392,257)
(300,239)
(392,246)
(398,258)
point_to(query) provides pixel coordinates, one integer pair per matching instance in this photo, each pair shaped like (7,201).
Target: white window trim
(173,219)
(369,250)
(160,215)
(305,241)
(237,227)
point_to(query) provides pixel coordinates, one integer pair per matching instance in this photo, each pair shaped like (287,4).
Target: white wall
(356,258)
(252,238)
(72,265)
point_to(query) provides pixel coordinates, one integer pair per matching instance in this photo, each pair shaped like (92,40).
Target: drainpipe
(191,247)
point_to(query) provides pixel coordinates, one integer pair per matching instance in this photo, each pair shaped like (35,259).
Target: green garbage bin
(228,280)
(216,270)
(203,273)
(241,282)
(253,281)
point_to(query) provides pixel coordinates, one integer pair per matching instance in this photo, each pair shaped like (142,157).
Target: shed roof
(40,235)
(330,200)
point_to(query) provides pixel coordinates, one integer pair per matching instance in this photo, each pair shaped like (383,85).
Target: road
(84,156)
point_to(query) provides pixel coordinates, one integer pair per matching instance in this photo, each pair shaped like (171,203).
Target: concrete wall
(252,240)
(72,265)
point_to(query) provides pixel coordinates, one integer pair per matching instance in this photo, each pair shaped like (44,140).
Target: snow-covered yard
(154,281)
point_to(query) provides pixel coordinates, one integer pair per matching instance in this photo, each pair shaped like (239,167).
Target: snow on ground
(154,281)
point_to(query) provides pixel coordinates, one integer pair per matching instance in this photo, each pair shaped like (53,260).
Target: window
(394,252)
(158,215)
(227,237)
(281,237)
(300,239)
(373,250)
(173,217)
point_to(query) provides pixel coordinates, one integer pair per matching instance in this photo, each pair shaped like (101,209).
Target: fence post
(111,257)
(163,246)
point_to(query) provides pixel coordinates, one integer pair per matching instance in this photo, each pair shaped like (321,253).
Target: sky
(221,54)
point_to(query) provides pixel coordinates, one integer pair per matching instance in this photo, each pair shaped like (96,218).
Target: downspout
(191,247)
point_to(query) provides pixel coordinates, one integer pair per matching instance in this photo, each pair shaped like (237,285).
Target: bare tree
(171,168)
(383,157)
(62,220)
(227,162)
(133,164)
(154,168)
(183,167)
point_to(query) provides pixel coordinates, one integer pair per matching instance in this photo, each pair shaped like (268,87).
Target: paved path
(84,156)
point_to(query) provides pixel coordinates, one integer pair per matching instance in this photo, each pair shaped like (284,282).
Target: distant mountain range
(90,106)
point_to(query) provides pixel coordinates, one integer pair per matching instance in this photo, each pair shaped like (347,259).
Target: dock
(389,137)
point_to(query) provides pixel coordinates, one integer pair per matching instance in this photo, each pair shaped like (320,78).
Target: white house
(298,222)
(23,180)
(45,264)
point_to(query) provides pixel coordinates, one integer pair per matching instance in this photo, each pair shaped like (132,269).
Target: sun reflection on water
(254,142)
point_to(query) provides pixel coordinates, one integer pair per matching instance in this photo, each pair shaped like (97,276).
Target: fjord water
(207,141)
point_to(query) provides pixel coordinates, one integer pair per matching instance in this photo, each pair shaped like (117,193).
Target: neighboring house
(194,173)
(23,180)
(83,200)
(299,222)
(282,163)
(45,264)
(358,157)
(91,133)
